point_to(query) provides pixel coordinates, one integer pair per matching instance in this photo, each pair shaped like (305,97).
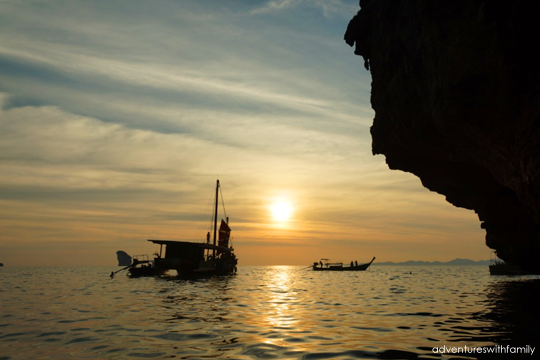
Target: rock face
(456,94)
(123,258)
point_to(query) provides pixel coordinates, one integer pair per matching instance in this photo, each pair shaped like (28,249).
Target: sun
(281,210)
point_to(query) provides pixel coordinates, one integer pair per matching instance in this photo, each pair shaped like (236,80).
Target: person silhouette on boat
(320,262)
(352,263)
(355,262)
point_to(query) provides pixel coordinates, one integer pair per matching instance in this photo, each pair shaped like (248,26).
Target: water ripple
(264,313)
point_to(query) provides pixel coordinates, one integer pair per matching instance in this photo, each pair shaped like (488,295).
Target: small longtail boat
(328,266)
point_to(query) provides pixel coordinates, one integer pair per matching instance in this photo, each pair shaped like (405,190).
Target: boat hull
(362,267)
(146,271)
(190,268)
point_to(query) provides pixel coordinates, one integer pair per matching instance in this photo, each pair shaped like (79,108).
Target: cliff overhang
(456,94)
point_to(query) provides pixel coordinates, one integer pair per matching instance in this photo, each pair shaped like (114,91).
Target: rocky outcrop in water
(456,94)
(123,258)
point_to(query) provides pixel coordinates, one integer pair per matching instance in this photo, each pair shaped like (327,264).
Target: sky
(117,117)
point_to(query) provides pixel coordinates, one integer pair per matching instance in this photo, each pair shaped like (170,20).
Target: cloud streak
(328,8)
(117,117)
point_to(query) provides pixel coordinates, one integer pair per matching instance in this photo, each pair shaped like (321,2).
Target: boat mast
(215,219)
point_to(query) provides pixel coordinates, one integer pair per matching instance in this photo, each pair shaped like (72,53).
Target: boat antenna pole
(215,220)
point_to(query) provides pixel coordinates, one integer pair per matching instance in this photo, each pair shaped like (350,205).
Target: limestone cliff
(456,94)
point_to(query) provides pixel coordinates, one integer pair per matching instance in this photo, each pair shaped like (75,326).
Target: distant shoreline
(452,262)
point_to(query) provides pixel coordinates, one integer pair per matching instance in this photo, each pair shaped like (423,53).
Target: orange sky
(115,123)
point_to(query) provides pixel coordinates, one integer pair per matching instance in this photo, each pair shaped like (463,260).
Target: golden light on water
(279,312)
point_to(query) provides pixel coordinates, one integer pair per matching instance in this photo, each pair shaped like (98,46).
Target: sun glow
(281,210)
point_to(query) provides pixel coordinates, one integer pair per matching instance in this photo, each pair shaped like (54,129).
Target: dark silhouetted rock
(456,94)
(458,262)
(123,258)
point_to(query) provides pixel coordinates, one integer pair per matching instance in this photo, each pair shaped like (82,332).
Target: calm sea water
(279,312)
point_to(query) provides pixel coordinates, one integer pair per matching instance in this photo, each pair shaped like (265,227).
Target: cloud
(275,5)
(188,63)
(49,148)
(328,8)
(66,150)
(117,117)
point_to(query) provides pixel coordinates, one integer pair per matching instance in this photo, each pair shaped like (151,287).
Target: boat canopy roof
(199,244)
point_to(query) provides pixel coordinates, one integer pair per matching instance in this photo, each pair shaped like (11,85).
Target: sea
(269,312)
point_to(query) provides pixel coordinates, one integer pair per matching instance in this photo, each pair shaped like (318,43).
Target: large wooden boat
(328,266)
(199,258)
(191,259)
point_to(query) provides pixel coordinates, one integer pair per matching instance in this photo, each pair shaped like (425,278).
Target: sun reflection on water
(280,312)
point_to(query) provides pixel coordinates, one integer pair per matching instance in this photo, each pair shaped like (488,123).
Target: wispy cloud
(328,8)
(117,116)
(275,5)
